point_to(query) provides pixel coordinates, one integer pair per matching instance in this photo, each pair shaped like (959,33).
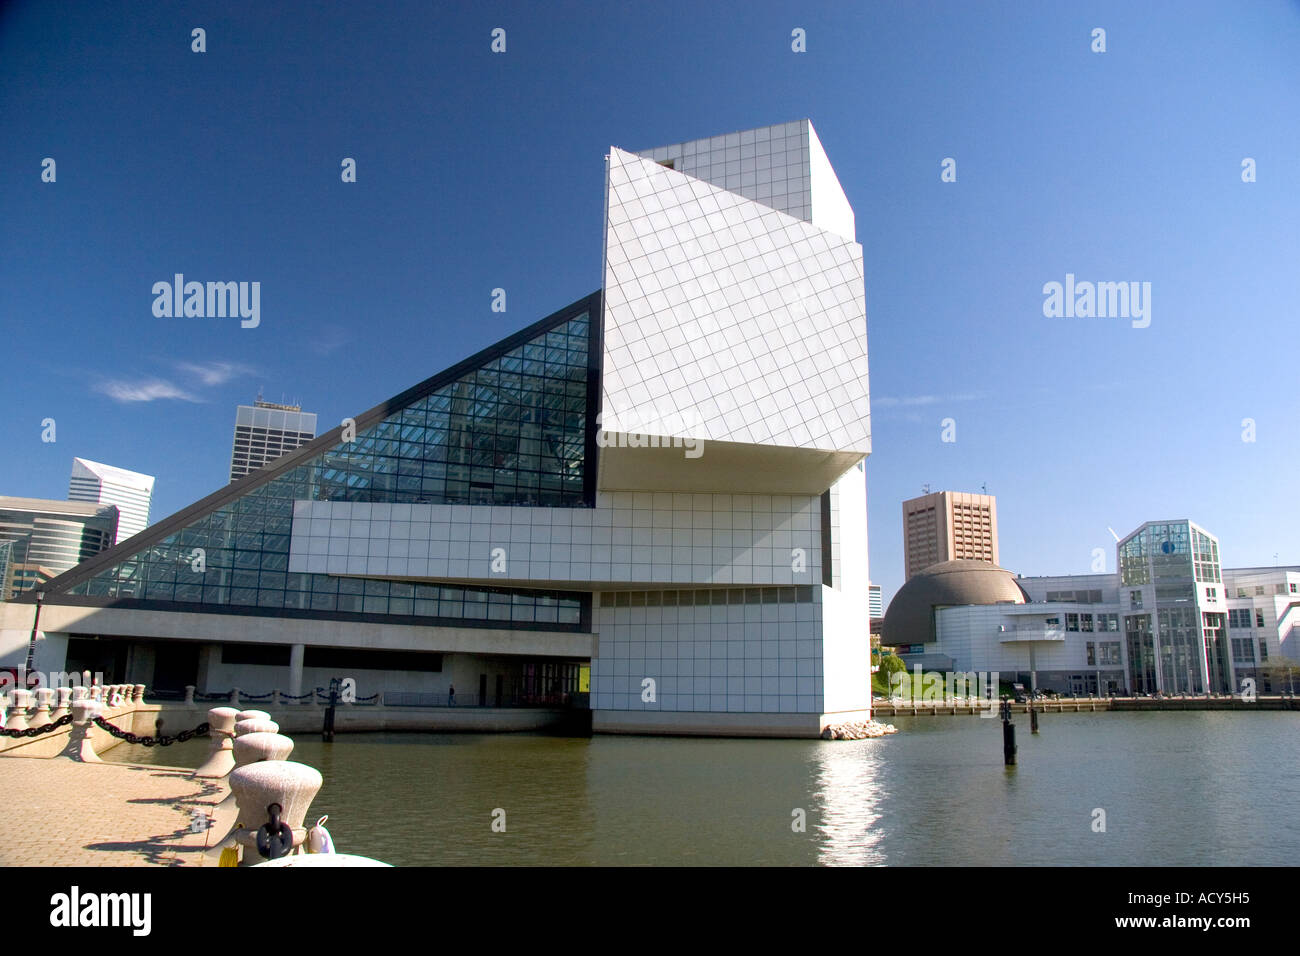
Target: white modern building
(130,491)
(1170,620)
(661,485)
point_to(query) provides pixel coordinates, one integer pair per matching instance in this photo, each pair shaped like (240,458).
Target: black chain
(37,731)
(163,740)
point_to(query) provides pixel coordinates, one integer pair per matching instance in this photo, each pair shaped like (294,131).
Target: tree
(889,665)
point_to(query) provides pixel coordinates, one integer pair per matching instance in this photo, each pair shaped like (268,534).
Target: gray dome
(910,618)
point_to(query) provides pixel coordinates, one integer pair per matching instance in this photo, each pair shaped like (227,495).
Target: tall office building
(948,525)
(130,491)
(662,482)
(876,601)
(264,431)
(49,537)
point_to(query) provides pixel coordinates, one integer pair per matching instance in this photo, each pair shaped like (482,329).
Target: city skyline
(1049,413)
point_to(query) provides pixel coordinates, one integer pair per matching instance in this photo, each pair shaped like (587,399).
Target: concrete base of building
(704,724)
(305,721)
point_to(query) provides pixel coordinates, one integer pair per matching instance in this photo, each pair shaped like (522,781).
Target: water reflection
(1177,789)
(851,782)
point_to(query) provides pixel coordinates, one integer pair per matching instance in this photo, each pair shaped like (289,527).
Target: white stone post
(292,785)
(79,746)
(41,718)
(64,705)
(137,693)
(256,725)
(19,701)
(296,654)
(234,695)
(189,695)
(275,697)
(221,729)
(259,746)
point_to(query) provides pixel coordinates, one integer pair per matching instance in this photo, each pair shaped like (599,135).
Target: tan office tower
(264,431)
(947,525)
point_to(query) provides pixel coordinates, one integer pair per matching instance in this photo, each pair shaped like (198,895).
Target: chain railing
(162,740)
(37,731)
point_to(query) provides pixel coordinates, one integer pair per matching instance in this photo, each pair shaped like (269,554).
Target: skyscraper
(264,431)
(130,491)
(947,525)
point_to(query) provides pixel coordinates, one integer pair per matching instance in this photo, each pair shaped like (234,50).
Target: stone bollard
(64,704)
(97,693)
(261,745)
(80,693)
(234,695)
(137,693)
(275,697)
(255,748)
(41,717)
(292,785)
(189,695)
(19,701)
(79,745)
(221,758)
(255,725)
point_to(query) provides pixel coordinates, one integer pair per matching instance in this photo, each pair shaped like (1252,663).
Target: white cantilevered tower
(735,320)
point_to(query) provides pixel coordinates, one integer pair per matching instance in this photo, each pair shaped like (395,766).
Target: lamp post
(31,646)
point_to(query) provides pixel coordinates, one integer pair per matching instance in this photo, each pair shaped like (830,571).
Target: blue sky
(478,171)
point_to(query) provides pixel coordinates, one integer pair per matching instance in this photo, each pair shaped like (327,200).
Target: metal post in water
(327,732)
(1008,734)
(1033,717)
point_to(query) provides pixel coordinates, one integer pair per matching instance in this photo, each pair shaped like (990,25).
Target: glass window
(512,432)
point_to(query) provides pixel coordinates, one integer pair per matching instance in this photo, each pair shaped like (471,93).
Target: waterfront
(1186,788)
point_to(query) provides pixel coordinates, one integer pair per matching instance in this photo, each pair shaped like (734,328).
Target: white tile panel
(769,313)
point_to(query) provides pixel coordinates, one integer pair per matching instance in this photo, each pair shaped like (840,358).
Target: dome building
(910,619)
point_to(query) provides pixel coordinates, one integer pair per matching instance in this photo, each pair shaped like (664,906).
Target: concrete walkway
(58,812)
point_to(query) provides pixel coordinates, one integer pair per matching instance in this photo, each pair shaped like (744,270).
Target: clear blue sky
(478,171)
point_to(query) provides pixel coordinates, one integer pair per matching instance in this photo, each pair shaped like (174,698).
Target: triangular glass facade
(509,427)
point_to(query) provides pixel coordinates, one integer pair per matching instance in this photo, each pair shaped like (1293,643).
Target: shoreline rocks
(858,730)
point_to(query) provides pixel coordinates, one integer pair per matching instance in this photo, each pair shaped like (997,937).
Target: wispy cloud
(147,390)
(328,340)
(192,376)
(213,373)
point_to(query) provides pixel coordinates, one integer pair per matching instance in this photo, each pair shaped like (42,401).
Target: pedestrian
(451,695)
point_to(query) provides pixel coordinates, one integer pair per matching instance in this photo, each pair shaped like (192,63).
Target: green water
(1193,788)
